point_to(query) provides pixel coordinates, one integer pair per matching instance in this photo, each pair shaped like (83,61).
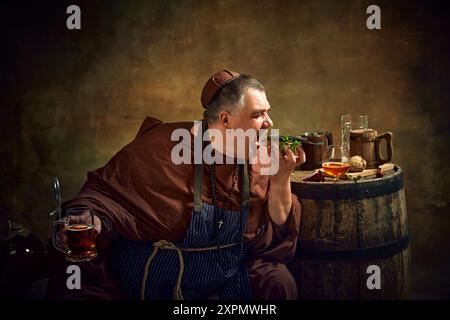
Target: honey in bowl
(336,169)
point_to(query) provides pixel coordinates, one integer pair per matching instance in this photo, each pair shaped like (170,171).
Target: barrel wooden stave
(382,219)
(346,280)
(315,231)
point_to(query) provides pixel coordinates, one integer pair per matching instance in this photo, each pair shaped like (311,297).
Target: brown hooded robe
(142,195)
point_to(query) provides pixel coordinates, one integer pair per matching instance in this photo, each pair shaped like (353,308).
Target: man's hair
(231,98)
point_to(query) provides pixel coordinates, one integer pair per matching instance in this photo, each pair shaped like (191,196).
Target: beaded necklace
(218,218)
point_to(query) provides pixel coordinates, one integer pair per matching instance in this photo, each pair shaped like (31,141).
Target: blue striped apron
(208,261)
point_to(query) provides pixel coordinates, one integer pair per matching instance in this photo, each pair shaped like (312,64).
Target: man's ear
(224,119)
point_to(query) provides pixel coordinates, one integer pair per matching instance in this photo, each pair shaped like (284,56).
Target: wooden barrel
(347,228)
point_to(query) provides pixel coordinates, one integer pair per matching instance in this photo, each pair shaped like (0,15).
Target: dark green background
(71,99)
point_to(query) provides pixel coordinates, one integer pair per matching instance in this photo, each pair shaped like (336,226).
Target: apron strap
(198,180)
(246,187)
(198,187)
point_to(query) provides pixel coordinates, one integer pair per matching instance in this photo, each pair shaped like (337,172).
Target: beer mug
(75,235)
(314,151)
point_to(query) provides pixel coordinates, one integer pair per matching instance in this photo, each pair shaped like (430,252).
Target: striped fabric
(219,272)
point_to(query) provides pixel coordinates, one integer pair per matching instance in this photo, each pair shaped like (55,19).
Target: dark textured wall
(71,99)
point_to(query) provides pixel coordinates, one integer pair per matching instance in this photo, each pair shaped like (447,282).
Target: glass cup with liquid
(335,162)
(351,123)
(75,235)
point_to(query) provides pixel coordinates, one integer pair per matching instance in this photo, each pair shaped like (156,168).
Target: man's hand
(97,224)
(280,199)
(82,220)
(287,163)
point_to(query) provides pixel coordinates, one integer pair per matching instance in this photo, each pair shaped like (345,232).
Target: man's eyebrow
(255,112)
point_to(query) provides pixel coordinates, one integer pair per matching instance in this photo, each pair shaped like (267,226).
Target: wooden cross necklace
(214,189)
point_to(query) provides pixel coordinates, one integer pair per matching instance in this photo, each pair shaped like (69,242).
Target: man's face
(253,115)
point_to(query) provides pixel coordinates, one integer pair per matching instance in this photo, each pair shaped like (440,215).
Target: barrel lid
(356,190)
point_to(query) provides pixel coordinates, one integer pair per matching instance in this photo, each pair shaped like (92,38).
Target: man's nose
(267,122)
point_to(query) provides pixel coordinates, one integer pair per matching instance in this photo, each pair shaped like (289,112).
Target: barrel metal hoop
(379,252)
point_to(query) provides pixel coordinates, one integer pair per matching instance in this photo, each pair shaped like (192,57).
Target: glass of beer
(75,235)
(335,162)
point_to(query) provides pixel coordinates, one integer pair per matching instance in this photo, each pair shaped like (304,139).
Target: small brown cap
(215,83)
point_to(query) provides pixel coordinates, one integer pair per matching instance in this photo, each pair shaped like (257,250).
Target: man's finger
(61,238)
(301,155)
(97,224)
(290,155)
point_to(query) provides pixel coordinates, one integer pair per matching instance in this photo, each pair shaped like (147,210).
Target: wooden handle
(388,137)
(329,137)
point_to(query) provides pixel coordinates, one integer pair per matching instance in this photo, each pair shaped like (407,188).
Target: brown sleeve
(148,124)
(107,205)
(90,197)
(281,231)
(107,234)
(277,242)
